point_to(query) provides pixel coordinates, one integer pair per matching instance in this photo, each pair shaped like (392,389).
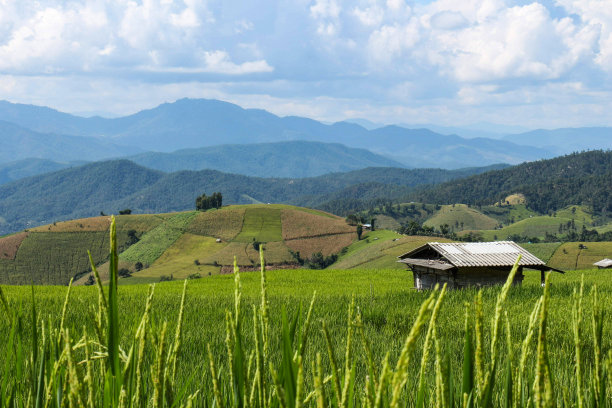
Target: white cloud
(445,59)
(219,62)
(597,15)
(154,35)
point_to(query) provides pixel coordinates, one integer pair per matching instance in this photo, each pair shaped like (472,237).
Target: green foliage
(204,202)
(549,185)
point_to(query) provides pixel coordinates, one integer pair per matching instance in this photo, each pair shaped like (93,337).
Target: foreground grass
(265,352)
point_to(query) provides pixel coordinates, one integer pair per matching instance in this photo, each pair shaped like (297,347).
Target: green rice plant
(284,360)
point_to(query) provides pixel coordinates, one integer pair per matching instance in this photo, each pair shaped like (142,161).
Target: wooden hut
(463,264)
(604,264)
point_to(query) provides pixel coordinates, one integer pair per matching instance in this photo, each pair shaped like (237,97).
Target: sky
(535,64)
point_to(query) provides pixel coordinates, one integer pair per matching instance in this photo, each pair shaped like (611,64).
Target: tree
(205,202)
(359,231)
(127,211)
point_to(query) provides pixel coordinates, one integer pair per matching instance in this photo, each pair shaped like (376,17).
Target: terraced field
(158,240)
(174,244)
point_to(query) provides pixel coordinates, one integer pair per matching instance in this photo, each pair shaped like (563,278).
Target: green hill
(172,244)
(111,186)
(460,217)
(570,218)
(548,185)
(379,250)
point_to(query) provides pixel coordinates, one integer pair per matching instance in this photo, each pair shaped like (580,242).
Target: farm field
(387,307)
(172,244)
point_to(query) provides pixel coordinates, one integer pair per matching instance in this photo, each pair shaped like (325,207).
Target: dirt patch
(9,245)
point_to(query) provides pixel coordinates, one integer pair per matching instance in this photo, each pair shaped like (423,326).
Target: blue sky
(449,62)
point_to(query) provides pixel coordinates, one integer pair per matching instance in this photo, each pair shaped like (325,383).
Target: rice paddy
(251,339)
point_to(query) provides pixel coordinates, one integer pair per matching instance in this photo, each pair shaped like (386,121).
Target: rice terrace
(300,204)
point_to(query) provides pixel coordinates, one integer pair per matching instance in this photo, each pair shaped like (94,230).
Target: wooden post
(542,278)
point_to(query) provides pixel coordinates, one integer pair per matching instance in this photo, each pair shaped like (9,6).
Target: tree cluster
(205,202)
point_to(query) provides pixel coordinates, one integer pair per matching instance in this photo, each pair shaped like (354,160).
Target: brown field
(85,224)
(225,223)
(275,253)
(299,224)
(326,244)
(140,222)
(9,245)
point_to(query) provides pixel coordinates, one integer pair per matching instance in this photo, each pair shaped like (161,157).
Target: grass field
(386,305)
(544,251)
(260,224)
(461,217)
(570,256)
(380,249)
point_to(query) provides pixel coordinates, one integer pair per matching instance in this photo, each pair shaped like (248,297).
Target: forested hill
(579,178)
(111,186)
(282,159)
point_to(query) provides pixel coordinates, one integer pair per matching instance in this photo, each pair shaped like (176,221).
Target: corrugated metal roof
(604,263)
(462,254)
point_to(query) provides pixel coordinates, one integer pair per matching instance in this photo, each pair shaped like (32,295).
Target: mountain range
(110,186)
(198,123)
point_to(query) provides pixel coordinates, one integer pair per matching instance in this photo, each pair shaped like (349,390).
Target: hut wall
(485,276)
(427,278)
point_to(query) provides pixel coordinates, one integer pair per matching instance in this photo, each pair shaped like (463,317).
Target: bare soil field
(9,245)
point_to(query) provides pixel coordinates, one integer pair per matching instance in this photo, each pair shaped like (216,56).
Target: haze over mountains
(198,123)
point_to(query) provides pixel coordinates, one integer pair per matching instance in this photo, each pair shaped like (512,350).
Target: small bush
(194,276)
(124,273)
(166,278)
